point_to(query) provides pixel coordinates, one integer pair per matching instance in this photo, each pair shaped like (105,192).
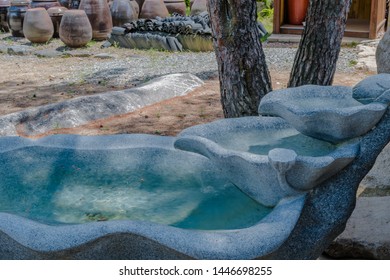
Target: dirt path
(171,116)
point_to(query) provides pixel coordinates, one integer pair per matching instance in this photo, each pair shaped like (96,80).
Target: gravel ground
(124,67)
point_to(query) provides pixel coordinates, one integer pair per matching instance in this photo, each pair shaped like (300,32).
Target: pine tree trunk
(243,73)
(316,58)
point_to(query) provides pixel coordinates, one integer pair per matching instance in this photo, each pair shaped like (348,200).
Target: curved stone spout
(269,178)
(282,160)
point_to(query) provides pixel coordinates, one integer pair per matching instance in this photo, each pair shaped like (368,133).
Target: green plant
(352,44)
(352,63)
(91,43)
(265,15)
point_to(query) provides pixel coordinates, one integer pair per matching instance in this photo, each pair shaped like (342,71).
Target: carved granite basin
(128,197)
(329,113)
(265,157)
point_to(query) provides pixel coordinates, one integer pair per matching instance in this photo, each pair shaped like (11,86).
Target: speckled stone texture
(383,54)
(329,206)
(329,113)
(265,177)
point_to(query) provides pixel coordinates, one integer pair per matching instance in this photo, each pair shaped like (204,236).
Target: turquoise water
(262,141)
(57,186)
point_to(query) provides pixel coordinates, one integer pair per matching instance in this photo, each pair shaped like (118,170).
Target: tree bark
(243,73)
(316,58)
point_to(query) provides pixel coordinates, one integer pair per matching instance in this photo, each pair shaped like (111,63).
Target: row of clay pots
(97,12)
(149,9)
(40,25)
(124,11)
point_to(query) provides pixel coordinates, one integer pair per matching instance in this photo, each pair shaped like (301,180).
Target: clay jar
(4,6)
(44,4)
(199,6)
(37,26)
(75,29)
(99,16)
(296,11)
(135,6)
(15,16)
(176,6)
(56,14)
(154,8)
(122,12)
(140,3)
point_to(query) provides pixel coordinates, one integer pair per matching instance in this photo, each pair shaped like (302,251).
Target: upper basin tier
(329,113)
(81,196)
(266,157)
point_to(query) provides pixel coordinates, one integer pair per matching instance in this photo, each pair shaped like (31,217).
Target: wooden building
(366,19)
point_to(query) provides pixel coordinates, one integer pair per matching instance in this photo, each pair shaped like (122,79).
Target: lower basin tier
(54,185)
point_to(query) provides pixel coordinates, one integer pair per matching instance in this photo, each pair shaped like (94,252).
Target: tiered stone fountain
(280,186)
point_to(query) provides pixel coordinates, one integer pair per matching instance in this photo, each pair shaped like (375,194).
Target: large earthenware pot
(199,6)
(122,12)
(296,11)
(15,16)
(75,29)
(56,14)
(44,4)
(37,25)
(99,16)
(4,7)
(176,6)
(135,6)
(154,8)
(140,3)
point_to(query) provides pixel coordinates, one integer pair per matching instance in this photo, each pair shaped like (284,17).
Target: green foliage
(187,3)
(268,4)
(265,13)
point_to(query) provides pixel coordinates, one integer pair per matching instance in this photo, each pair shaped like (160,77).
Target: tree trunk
(316,58)
(243,73)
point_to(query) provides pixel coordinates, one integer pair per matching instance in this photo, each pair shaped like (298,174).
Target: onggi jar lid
(56,11)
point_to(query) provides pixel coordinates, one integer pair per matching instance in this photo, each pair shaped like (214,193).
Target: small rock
(48,53)
(104,56)
(3,49)
(78,53)
(20,50)
(367,234)
(106,44)
(383,54)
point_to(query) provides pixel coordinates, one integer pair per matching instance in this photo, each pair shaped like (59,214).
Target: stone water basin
(266,157)
(328,113)
(128,197)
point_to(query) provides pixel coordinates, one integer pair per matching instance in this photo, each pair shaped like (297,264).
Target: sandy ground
(171,116)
